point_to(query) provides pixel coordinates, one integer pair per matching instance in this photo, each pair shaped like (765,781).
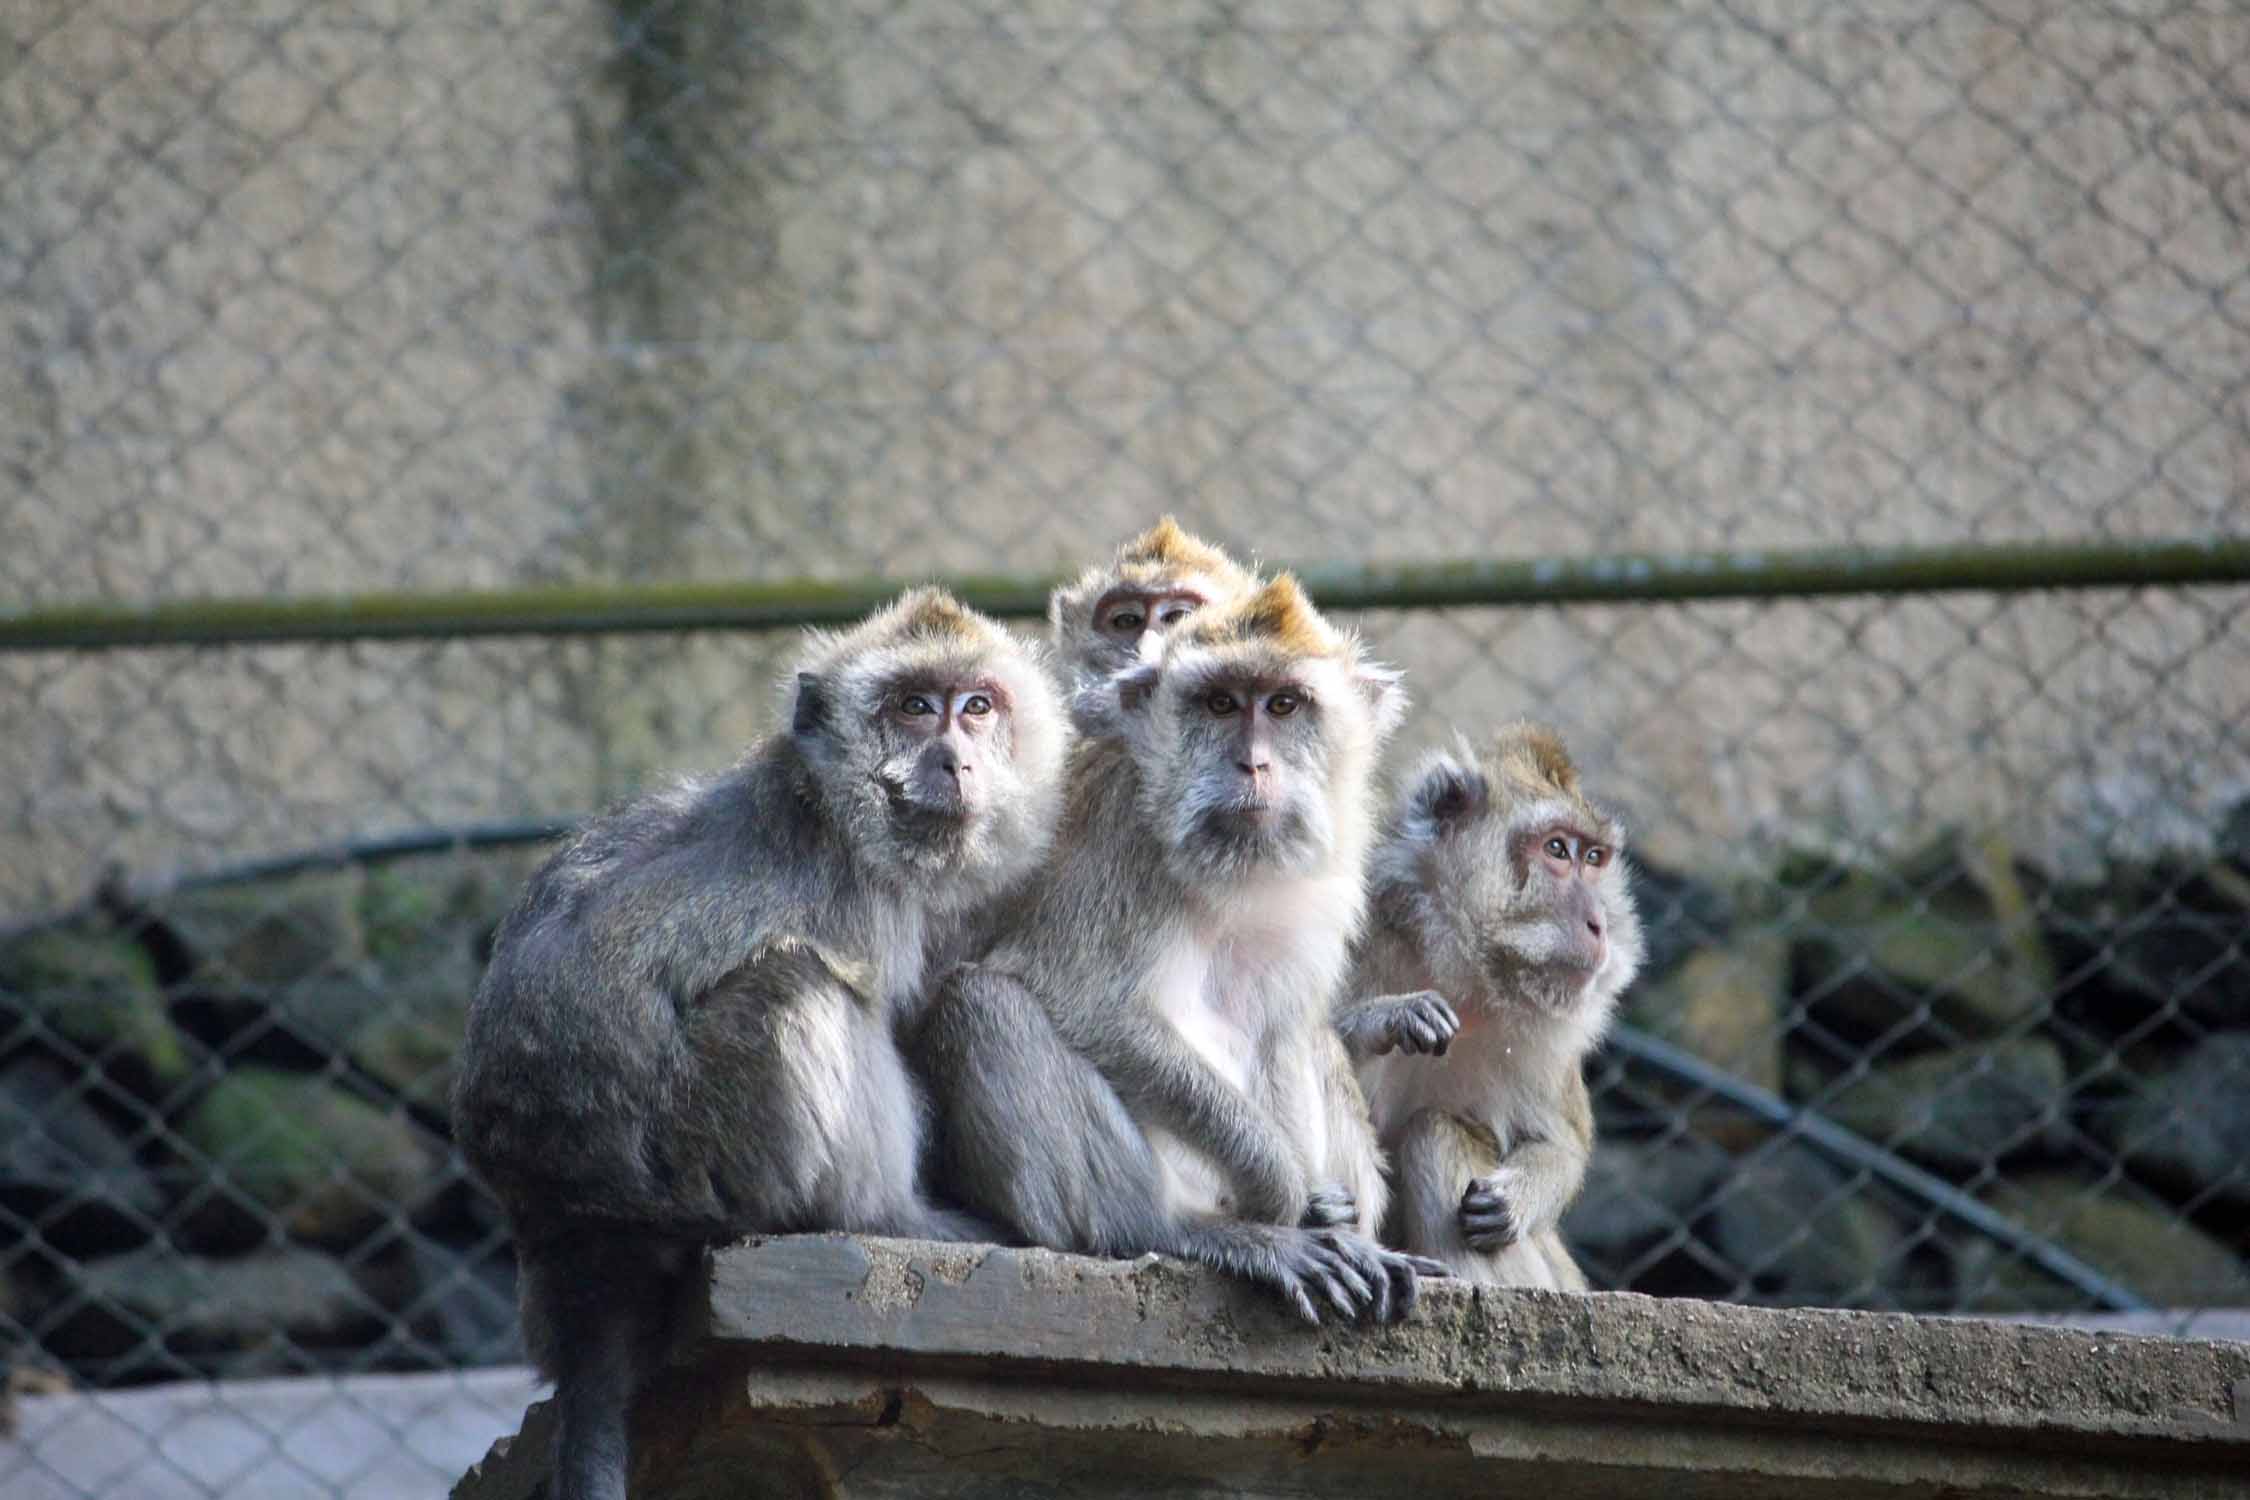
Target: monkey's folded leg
(1447,1170)
(1030,1133)
(803,1115)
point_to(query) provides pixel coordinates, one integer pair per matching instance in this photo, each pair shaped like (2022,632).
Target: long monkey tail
(598,1310)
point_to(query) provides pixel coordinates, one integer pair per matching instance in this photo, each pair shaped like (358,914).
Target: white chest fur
(897,942)
(1238,981)
(1497,1070)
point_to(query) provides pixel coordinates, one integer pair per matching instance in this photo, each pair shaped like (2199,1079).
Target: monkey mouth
(928,815)
(1249,818)
(1262,832)
(1557,979)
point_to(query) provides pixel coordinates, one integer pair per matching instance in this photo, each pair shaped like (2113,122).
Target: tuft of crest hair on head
(1530,760)
(922,616)
(1532,756)
(1165,553)
(1280,615)
(930,613)
(1169,545)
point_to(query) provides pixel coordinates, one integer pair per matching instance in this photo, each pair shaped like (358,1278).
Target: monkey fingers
(1331,1207)
(1420,1021)
(1358,1266)
(1405,1273)
(1309,1263)
(1487,1222)
(1424,1022)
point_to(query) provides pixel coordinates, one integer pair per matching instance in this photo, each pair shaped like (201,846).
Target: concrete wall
(863,1368)
(367,296)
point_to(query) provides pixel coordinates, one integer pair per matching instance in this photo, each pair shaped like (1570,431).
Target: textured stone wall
(376,296)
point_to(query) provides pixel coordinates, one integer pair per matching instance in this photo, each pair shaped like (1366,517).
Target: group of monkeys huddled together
(1131,962)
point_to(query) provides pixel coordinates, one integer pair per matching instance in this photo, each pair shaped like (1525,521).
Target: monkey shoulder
(782,967)
(1101,788)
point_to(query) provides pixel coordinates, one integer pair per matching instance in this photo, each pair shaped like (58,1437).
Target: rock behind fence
(225,1147)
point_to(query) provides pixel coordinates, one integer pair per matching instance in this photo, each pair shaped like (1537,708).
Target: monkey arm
(1540,1173)
(1537,1181)
(1354,1161)
(1418,1021)
(1165,1082)
(676,924)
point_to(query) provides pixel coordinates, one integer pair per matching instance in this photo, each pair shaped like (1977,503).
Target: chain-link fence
(306,297)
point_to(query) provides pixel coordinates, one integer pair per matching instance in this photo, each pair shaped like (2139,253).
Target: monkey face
(945,739)
(1247,763)
(1255,739)
(1250,763)
(1514,881)
(936,743)
(1118,616)
(1131,621)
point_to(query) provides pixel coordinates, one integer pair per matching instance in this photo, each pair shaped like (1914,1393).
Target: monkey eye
(1596,855)
(1558,849)
(1282,705)
(1173,614)
(1221,703)
(1128,619)
(977,705)
(916,705)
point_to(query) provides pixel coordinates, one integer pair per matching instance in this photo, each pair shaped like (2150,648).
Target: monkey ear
(1445,792)
(1384,688)
(811,716)
(1135,686)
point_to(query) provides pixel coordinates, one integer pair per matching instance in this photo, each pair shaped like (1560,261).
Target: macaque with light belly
(1499,887)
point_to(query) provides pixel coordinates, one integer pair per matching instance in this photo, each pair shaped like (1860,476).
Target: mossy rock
(450,901)
(413,1053)
(1640,1192)
(401,1017)
(2156,946)
(2186,1124)
(1725,1005)
(95,991)
(261,936)
(1799,1231)
(65,1167)
(1950,938)
(2144,1246)
(327,1165)
(403,1028)
(1960,1108)
(196,1304)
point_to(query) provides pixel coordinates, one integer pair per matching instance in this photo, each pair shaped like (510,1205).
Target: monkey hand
(1487,1222)
(1331,1207)
(1349,1273)
(1421,1022)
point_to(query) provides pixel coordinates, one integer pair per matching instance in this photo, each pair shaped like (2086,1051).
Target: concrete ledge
(861,1367)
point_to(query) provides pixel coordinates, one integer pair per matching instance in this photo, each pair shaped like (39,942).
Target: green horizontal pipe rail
(600,609)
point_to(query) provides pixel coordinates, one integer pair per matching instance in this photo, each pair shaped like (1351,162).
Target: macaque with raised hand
(688,1028)
(1498,886)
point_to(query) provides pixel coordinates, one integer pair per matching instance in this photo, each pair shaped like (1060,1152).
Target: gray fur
(687,1030)
(1421,1021)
